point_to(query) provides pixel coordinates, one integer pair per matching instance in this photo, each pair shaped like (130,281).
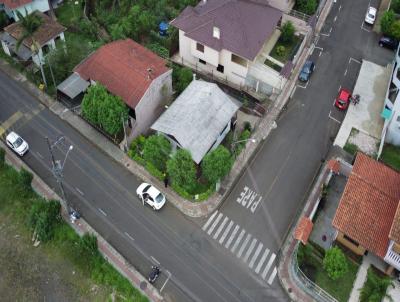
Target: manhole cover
(143,285)
(289,290)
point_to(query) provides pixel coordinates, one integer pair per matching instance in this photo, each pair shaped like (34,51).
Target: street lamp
(241,141)
(57,168)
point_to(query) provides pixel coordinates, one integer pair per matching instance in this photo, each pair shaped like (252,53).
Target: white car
(150,195)
(371,15)
(17,144)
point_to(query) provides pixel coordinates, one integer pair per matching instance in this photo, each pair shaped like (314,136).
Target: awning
(73,86)
(386,113)
(23,52)
(303,230)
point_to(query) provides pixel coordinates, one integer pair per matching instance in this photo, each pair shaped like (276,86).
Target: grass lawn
(391,156)
(288,49)
(68,12)
(350,148)
(56,270)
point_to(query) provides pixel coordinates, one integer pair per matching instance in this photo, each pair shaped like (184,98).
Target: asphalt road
(200,267)
(272,190)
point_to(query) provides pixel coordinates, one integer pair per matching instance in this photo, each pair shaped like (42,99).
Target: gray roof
(244,25)
(23,52)
(73,86)
(197,117)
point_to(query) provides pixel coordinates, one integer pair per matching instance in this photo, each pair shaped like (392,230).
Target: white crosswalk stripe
(228,243)
(257,252)
(262,260)
(214,224)
(272,276)
(248,248)
(209,221)
(252,245)
(235,245)
(228,228)
(269,264)
(221,226)
(244,244)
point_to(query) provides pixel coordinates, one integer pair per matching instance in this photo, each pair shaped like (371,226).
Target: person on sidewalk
(165,180)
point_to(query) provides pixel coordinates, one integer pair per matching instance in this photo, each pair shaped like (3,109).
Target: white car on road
(371,15)
(17,144)
(150,195)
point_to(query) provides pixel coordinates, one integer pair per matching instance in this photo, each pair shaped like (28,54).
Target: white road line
(320,53)
(155,260)
(220,228)
(351,59)
(257,252)
(262,260)
(272,277)
(334,20)
(293,91)
(269,264)
(330,30)
(332,118)
(252,245)
(238,241)
(320,48)
(40,155)
(209,221)
(340,87)
(169,276)
(304,87)
(243,246)
(214,224)
(102,212)
(334,101)
(345,72)
(340,7)
(79,191)
(129,236)
(326,35)
(228,243)
(228,228)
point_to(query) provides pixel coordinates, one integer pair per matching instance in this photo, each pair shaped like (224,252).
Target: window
(238,60)
(351,240)
(202,61)
(200,47)
(398,118)
(220,68)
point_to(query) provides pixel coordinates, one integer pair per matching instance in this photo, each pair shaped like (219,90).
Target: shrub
(182,170)
(154,171)
(181,76)
(374,289)
(205,195)
(280,50)
(287,30)
(137,145)
(42,218)
(181,191)
(387,22)
(139,159)
(335,263)
(25,179)
(87,246)
(216,164)
(247,126)
(156,151)
(2,157)
(395,5)
(308,7)
(159,49)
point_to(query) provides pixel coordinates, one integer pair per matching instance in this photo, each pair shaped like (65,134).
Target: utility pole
(123,126)
(57,169)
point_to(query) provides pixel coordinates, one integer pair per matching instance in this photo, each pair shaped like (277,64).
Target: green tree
(375,287)
(308,7)
(395,5)
(387,22)
(2,157)
(182,170)
(156,151)
(43,217)
(335,263)
(287,30)
(216,164)
(395,30)
(181,76)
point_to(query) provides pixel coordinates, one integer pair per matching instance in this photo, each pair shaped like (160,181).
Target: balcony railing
(392,257)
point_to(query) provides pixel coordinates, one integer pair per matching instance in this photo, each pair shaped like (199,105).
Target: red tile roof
(303,230)
(368,204)
(334,166)
(12,4)
(123,68)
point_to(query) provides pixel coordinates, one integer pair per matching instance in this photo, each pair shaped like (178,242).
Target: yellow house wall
(359,250)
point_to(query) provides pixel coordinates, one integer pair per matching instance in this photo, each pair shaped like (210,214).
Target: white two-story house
(230,40)
(12,6)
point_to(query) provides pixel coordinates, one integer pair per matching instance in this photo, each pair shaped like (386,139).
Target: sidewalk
(82,227)
(360,280)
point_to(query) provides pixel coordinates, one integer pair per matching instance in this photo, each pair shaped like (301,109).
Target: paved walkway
(394,292)
(360,280)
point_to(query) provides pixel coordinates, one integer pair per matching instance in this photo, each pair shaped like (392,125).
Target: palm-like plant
(30,24)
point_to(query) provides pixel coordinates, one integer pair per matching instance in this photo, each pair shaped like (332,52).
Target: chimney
(149,72)
(216,32)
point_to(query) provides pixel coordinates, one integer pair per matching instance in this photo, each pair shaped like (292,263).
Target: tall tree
(30,25)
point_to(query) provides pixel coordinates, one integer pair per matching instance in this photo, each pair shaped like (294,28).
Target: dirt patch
(39,274)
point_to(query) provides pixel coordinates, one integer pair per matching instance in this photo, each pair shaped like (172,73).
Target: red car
(343,99)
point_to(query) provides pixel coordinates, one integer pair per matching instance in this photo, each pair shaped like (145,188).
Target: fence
(306,284)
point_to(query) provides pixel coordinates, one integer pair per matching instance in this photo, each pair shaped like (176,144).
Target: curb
(82,227)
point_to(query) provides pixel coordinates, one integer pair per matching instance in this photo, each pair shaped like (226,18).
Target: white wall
(40,5)
(152,104)
(283,5)
(393,125)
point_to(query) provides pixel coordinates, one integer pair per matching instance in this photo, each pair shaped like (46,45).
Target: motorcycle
(155,272)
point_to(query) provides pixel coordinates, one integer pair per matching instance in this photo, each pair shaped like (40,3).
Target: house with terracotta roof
(10,7)
(368,215)
(45,39)
(230,40)
(130,71)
